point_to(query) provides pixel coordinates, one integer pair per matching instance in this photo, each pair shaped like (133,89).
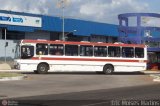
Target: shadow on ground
(87,73)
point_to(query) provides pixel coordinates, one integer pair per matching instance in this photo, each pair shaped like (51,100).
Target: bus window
(100,51)
(86,50)
(113,51)
(127,52)
(41,49)
(56,49)
(71,50)
(139,52)
(27,51)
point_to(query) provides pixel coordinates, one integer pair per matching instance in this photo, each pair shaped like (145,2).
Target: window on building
(71,50)
(113,51)
(115,39)
(152,44)
(13,35)
(41,49)
(56,49)
(128,52)
(86,50)
(139,52)
(54,36)
(100,51)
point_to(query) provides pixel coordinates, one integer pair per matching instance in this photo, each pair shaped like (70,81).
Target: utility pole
(63,37)
(62,5)
(5,33)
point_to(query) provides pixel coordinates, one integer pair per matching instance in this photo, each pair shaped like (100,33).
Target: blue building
(142,28)
(18,25)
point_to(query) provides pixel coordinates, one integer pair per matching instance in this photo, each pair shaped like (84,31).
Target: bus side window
(100,51)
(139,52)
(41,49)
(56,49)
(86,50)
(113,51)
(127,52)
(71,50)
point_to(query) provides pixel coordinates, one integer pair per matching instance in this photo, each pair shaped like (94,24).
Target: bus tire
(108,69)
(42,68)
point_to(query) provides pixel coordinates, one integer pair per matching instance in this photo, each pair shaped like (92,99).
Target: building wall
(51,30)
(98,38)
(10,49)
(37,35)
(110,39)
(0,33)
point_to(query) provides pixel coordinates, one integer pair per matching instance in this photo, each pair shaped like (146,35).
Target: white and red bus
(42,56)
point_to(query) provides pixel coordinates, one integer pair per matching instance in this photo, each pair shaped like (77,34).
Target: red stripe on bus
(86,59)
(82,43)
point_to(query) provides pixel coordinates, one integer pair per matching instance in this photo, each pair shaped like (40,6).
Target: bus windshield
(27,51)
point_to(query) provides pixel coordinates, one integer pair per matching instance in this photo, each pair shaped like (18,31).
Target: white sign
(20,20)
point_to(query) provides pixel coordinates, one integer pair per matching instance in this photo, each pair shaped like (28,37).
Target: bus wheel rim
(109,70)
(42,68)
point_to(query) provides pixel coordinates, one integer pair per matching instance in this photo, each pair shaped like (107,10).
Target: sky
(105,11)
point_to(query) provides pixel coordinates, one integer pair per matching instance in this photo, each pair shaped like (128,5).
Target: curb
(14,70)
(13,78)
(151,72)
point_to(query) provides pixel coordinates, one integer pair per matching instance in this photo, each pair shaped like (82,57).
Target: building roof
(52,23)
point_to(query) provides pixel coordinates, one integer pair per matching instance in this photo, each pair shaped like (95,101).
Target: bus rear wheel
(108,69)
(42,68)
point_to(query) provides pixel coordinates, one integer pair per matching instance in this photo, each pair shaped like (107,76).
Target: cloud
(94,10)
(108,11)
(31,6)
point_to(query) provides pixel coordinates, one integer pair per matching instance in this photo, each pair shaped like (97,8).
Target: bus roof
(82,43)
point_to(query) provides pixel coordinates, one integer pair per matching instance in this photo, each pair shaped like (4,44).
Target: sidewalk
(13,70)
(5,66)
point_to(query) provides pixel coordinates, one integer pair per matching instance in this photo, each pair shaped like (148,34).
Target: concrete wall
(10,49)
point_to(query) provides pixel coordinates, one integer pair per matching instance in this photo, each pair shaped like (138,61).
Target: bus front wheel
(42,68)
(108,69)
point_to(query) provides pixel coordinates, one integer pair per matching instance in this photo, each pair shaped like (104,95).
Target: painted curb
(156,80)
(151,72)
(13,78)
(156,77)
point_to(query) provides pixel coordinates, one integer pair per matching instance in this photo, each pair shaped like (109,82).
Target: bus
(42,56)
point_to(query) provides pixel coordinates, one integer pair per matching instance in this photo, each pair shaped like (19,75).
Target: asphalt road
(148,95)
(74,89)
